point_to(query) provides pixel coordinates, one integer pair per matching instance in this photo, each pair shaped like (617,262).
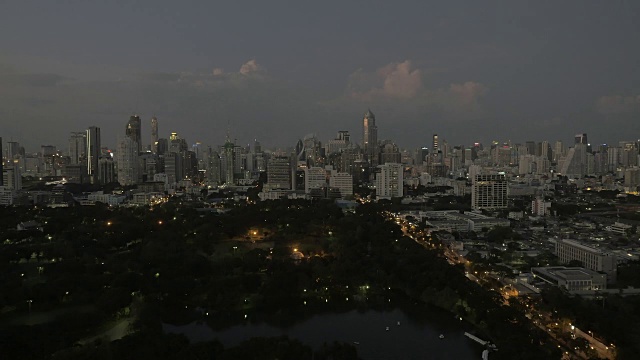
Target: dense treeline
(611,318)
(176,264)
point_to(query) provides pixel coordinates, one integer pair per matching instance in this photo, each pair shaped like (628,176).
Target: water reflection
(406,338)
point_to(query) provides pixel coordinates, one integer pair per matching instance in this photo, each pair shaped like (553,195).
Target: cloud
(618,104)
(395,80)
(250,67)
(398,85)
(465,96)
(36,80)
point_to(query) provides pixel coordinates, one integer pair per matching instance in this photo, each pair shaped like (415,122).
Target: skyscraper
(77,147)
(581,139)
(1,163)
(133,130)
(435,149)
(370,137)
(228,160)
(154,135)
(93,152)
(127,161)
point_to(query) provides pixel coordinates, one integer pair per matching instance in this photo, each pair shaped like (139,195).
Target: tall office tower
(280,172)
(531,147)
(336,145)
(238,161)
(390,153)
(213,165)
(257,148)
(176,144)
(127,161)
(77,147)
(370,137)
(106,170)
(154,135)
(489,192)
(558,151)
(13,150)
(93,152)
(545,150)
(389,181)
(581,139)
(228,160)
(421,155)
(575,163)
(12,178)
(162,146)
(435,146)
(134,130)
(1,164)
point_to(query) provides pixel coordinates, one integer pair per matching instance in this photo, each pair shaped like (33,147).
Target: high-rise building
(314,178)
(228,160)
(13,150)
(343,182)
(280,172)
(435,145)
(370,138)
(154,135)
(12,178)
(162,146)
(93,152)
(77,147)
(106,170)
(1,164)
(574,165)
(127,161)
(489,192)
(389,181)
(531,147)
(558,151)
(581,139)
(134,131)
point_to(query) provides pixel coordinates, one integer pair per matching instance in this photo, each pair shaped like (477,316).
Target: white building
(12,178)
(389,181)
(314,178)
(343,182)
(591,258)
(571,279)
(540,207)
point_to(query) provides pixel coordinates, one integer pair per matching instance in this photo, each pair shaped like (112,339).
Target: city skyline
(460,70)
(143,132)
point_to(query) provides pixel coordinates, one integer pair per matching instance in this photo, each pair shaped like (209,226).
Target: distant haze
(278,70)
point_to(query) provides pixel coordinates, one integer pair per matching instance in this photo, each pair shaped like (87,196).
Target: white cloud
(400,83)
(251,66)
(395,80)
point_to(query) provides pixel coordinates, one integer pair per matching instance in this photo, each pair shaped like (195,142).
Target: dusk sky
(279,70)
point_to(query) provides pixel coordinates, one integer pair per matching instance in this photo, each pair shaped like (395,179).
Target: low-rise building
(571,278)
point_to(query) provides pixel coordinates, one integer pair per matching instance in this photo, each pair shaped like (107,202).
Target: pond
(376,334)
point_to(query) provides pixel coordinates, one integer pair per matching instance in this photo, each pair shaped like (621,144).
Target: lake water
(412,339)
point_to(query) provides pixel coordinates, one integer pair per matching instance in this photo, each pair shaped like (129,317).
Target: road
(569,352)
